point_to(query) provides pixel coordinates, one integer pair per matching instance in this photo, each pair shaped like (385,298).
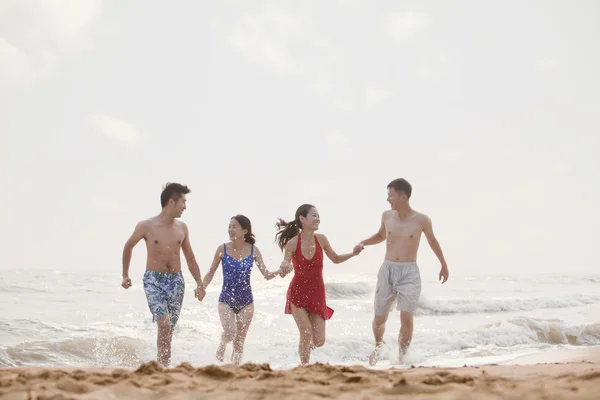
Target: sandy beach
(563,375)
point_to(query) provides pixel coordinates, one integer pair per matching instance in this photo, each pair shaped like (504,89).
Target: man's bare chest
(160,238)
(403,230)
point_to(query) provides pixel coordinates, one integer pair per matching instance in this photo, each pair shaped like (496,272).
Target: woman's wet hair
(247,225)
(287,230)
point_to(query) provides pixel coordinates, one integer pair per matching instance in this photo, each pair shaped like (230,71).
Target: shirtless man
(399,278)
(164,284)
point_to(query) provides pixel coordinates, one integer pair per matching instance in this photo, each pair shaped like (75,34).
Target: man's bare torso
(403,235)
(163,242)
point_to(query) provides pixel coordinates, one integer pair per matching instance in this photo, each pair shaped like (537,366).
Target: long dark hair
(245,224)
(287,230)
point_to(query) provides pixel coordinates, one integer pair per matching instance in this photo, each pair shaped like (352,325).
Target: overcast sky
(490,109)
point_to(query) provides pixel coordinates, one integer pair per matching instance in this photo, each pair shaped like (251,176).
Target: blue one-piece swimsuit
(236,291)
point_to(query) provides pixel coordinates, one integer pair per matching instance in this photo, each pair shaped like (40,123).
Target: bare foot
(374,357)
(221,351)
(236,358)
(401,355)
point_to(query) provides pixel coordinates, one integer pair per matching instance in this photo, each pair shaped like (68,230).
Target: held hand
(285,268)
(444,274)
(200,292)
(273,274)
(358,248)
(126,283)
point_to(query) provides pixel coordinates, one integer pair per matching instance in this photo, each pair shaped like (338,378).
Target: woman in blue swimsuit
(236,307)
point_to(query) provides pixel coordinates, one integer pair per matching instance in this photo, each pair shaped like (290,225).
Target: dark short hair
(172,191)
(401,185)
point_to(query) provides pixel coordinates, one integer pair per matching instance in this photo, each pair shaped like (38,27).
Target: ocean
(85,319)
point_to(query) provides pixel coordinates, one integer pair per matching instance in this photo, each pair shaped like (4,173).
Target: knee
(305,335)
(228,336)
(164,323)
(239,337)
(319,342)
(406,319)
(380,320)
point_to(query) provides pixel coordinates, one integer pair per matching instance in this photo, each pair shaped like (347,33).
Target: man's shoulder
(422,216)
(145,223)
(386,213)
(182,226)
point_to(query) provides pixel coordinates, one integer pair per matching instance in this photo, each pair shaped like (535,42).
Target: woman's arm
(213,267)
(262,267)
(286,265)
(331,254)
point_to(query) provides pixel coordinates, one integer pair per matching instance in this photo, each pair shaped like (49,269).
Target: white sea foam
(99,324)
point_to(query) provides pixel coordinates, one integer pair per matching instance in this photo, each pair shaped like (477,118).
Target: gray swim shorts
(400,282)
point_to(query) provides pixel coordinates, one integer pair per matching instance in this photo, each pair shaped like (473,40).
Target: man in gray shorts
(399,278)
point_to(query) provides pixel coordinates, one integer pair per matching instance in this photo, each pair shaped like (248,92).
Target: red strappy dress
(307,289)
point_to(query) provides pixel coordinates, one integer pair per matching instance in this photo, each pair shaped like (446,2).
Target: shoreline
(587,354)
(556,374)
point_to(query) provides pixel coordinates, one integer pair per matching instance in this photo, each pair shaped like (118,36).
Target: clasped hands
(285,268)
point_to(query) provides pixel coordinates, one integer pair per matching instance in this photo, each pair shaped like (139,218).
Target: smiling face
(312,220)
(178,206)
(235,230)
(397,199)
(173,200)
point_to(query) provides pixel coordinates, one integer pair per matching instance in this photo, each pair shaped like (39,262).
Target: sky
(490,109)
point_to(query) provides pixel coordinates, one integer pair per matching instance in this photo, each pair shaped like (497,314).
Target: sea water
(74,318)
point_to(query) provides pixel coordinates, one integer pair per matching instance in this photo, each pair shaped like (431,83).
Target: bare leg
(378,331)
(242,320)
(163,340)
(306,331)
(228,322)
(318,329)
(406,332)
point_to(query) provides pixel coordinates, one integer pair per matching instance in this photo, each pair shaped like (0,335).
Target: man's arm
(190,259)
(136,236)
(376,238)
(213,267)
(331,254)
(435,246)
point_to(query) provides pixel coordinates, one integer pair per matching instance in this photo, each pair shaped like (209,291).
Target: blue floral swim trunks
(164,292)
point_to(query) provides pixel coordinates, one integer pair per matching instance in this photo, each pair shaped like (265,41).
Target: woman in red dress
(306,294)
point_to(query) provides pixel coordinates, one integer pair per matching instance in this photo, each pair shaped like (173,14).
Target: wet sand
(561,375)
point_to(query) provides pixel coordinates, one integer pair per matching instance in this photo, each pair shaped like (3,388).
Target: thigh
(385,295)
(176,291)
(227,318)
(155,295)
(302,319)
(408,288)
(243,319)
